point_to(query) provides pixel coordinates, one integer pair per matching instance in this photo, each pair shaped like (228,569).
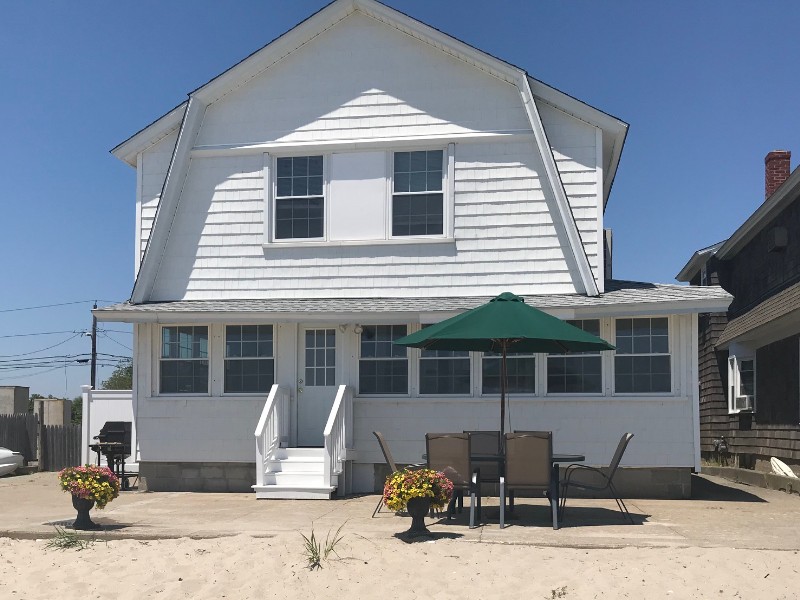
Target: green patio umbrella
(504,324)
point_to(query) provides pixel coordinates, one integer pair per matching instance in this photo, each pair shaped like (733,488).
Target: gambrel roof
(187,119)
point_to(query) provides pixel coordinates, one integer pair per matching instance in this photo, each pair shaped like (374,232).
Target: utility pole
(94,349)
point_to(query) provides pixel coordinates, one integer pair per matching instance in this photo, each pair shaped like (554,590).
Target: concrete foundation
(196,477)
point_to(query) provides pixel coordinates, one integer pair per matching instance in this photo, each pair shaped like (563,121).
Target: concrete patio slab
(721,514)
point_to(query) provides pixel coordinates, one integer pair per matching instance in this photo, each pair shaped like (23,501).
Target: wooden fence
(18,433)
(61,447)
(60,444)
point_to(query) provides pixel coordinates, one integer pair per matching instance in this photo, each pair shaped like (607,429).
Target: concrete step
(296,465)
(299,479)
(293,492)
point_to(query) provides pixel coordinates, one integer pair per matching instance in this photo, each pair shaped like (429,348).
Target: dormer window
(417,201)
(299,198)
(360,197)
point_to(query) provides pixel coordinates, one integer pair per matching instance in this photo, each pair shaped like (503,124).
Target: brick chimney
(776,170)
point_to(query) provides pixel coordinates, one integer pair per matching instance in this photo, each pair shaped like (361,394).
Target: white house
(360,177)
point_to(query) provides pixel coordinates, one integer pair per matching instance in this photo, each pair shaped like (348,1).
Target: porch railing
(272,431)
(338,434)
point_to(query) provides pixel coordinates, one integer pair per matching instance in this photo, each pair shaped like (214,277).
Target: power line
(41,349)
(5,310)
(108,337)
(116,331)
(15,335)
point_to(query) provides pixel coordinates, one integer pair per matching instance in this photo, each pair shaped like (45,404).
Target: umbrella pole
(503,376)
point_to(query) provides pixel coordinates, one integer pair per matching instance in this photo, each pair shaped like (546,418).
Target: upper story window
(741,384)
(418,201)
(642,363)
(360,197)
(299,198)
(184,360)
(576,372)
(249,363)
(382,365)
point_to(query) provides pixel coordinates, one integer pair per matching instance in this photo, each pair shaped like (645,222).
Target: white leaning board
(781,468)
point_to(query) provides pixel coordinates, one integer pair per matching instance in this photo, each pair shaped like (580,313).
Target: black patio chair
(387,455)
(529,466)
(450,454)
(606,476)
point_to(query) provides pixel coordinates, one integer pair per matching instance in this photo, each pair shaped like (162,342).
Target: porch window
(521,370)
(184,360)
(444,372)
(418,198)
(382,365)
(642,363)
(299,199)
(576,372)
(249,362)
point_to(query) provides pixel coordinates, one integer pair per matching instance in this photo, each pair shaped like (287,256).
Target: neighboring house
(358,178)
(750,356)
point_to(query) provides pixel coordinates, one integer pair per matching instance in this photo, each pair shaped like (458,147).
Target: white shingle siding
(503,227)
(574,145)
(363,80)
(155,163)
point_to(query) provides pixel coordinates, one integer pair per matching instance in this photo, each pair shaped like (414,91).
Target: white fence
(98,407)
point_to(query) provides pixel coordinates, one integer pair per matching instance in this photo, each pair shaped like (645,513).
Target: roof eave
(786,193)
(614,129)
(149,135)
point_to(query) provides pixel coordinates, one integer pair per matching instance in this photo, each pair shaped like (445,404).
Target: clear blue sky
(707,87)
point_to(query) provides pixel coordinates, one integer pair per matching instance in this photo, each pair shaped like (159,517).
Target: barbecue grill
(114,442)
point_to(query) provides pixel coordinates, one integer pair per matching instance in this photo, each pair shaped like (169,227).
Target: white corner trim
(600,193)
(168,204)
(554,179)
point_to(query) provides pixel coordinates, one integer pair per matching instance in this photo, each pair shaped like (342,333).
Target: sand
(245,567)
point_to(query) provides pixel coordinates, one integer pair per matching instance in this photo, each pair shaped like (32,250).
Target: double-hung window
(418,198)
(249,363)
(184,360)
(576,372)
(520,368)
(299,198)
(444,372)
(642,363)
(382,365)
(741,383)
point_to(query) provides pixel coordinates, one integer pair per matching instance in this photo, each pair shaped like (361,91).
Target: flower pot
(84,522)
(418,508)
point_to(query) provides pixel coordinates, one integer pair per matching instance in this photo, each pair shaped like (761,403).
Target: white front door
(316,383)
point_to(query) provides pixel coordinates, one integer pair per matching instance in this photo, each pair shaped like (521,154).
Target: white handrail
(337,433)
(272,429)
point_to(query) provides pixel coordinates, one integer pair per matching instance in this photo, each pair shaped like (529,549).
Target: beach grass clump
(316,551)
(67,540)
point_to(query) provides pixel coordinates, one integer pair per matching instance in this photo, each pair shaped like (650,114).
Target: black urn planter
(83,522)
(418,508)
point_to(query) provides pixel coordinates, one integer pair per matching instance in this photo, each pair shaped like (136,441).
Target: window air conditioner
(743,403)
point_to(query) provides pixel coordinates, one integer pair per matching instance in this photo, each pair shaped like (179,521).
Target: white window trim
(157,360)
(734,383)
(672,333)
(269,170)
(223,358)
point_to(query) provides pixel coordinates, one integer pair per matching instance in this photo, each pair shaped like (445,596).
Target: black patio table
(558,458)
